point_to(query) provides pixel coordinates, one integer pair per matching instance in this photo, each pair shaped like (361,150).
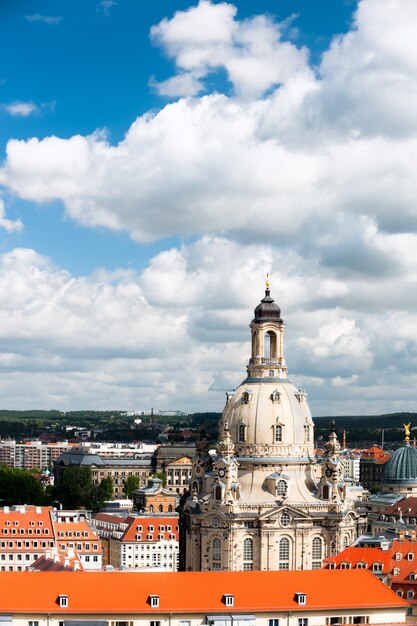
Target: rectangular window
(302,621)
(154,623)
(185,623)
(273,622)
(30,623)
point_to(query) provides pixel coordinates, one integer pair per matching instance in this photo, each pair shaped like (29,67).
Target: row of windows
(278,432)
(26,544)
(284,552)
(77,533)
(161,508)
(151,528)
(25,531)
(16,523)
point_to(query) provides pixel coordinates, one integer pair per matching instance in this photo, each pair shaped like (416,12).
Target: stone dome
(267,310)
(258,408)
(402,466)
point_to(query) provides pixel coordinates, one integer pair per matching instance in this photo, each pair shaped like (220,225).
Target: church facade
(264,502)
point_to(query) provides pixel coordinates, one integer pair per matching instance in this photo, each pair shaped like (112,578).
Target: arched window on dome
(282,488)
(307,433)
(278,433)
(216,553)
(284,554)
(248,554)
(317,553)
(241,432)
(160,508)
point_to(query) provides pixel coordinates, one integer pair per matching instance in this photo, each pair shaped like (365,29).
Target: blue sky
(87,66)
(158,158)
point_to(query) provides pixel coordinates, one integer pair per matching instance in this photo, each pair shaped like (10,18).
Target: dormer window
(398,556)
(377,567)
(228,599)
(300,598)
(63,601)
(396,571)
(413,576)
(332,565)
(246,396)
(275,396)
(154,601)
(410,556)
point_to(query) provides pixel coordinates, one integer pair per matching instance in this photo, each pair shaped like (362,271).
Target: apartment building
(31,454)
(29,532)
(141,542)
(253,598)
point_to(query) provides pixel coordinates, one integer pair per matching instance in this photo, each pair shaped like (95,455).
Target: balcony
(265,361)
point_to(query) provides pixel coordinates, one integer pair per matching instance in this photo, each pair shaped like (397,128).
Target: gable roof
(193,592)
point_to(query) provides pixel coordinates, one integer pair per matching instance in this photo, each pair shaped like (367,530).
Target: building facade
(259,505)
(141,542)
(31,454)
(118,469)
(29,532)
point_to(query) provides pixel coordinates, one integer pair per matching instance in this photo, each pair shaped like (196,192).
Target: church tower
(264,502)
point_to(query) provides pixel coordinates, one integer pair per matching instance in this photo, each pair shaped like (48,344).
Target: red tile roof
(139,527)
(193,592)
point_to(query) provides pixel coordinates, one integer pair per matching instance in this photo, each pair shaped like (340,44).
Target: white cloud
(306,172)
(8,225)
(178,332)
(209,37)
(21,109)
(105,6)
(47,19)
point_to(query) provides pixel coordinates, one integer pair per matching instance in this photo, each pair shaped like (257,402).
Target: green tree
(131,483)
(19,487)
(162,476)
(105,490)
(75,488)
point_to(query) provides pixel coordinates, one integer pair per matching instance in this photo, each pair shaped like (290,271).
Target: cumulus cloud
(178,332)
(306,171)
(208,37)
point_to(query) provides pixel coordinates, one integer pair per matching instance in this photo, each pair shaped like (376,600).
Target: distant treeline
(113,425)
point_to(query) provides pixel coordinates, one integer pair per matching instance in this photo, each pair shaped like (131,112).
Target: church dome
(270,419)
(267,310)
(402,466)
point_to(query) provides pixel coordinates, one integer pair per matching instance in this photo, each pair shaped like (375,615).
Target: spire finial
(267,283)
(407,431)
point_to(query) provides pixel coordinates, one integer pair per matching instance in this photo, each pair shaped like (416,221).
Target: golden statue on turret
(407,431)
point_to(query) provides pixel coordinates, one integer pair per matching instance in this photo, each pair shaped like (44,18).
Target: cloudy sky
(159,158)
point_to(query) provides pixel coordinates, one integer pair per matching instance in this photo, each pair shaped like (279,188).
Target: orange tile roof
(21,521)
(363,555)
(355,555)
(193,592)
(135,523)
